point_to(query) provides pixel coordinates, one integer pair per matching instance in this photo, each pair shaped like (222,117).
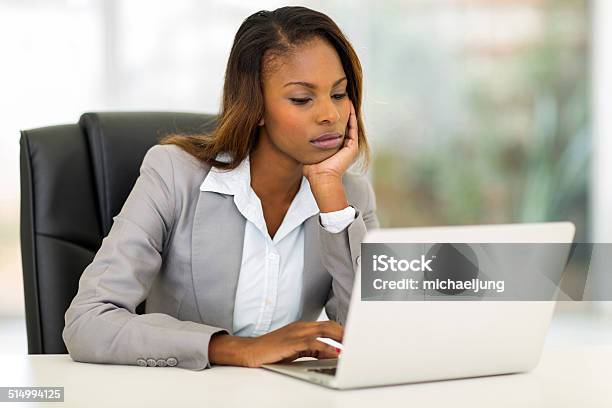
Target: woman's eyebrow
(312,86)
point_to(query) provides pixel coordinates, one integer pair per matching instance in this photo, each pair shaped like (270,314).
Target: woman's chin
(318,157)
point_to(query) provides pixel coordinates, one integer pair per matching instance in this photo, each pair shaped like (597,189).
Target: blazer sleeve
(341,253)
(101,325)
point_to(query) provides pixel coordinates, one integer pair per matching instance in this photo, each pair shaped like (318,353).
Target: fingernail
(337,350)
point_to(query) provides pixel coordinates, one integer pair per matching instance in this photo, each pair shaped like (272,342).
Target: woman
(238,239)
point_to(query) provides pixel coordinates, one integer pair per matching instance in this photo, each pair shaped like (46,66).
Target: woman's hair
(276,33)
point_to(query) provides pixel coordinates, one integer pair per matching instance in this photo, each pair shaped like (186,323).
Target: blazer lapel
(217,242)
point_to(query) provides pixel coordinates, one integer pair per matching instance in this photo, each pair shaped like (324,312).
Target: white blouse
(270,281)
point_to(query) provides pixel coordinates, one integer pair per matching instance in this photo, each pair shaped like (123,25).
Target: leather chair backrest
(74,180)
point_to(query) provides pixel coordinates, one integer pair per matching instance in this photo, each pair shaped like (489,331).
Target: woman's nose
(328,112)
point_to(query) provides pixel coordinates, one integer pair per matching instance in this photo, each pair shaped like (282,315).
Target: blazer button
(172,362)
(141,362)
(151,362)
(358,260)
(161,362)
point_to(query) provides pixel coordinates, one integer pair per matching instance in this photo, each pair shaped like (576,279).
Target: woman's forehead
(316,63)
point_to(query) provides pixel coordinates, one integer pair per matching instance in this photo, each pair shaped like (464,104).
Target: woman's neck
(275,177)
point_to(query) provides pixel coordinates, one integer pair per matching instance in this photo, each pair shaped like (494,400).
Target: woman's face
(305,97)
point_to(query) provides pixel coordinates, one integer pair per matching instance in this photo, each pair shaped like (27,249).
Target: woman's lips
(327,143)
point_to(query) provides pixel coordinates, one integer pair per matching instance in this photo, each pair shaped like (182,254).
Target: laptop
(398,342)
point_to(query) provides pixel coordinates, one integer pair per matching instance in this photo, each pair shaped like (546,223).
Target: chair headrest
(118,142)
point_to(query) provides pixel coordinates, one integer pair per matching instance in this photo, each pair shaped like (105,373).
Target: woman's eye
(299,101)
(303,101)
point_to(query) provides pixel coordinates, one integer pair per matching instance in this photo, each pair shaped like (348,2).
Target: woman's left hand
(336,165)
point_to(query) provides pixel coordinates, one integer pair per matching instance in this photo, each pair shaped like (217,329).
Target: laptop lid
(392,342)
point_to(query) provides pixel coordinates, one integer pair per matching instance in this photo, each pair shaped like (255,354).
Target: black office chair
(74,180)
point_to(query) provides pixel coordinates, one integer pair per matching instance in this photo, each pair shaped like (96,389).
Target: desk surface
(567,376)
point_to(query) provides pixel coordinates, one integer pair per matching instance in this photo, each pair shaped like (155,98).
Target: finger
(331,329)
(329,352)
(294,356)
(320,350)
(326,328)
(352,128)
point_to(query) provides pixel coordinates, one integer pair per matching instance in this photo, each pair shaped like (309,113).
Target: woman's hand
(295,340)
(336,165)
(325,178)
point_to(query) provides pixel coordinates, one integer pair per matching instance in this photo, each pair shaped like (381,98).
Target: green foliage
(520,150)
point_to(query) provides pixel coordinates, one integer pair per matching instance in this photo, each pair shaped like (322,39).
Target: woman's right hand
(295,340)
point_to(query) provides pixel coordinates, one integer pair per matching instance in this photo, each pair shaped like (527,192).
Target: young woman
(238,239)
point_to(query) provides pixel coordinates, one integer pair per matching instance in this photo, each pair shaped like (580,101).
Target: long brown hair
(277,32)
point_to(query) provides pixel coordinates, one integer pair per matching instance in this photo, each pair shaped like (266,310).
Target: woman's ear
(261,122)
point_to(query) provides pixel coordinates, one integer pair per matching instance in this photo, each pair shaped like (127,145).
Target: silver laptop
(396,342)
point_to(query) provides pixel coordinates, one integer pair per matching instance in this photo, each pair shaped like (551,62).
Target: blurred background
(478,111)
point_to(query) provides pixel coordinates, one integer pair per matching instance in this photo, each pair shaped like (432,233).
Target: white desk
(567,376)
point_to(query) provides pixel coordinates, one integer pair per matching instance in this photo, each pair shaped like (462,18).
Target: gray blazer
(180,249)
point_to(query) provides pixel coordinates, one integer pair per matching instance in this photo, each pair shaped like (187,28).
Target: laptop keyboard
(328,371)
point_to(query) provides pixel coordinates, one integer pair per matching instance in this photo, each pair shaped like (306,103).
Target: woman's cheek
(295,127)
